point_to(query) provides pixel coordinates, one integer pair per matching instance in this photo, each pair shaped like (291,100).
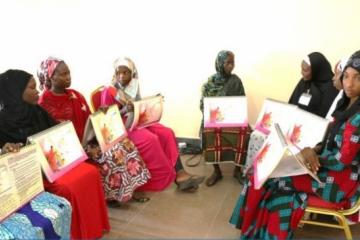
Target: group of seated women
(148,158)
(275,210)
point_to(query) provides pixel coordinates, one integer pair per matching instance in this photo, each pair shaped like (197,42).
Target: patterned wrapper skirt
(222,145)
(122,171)
(47,216)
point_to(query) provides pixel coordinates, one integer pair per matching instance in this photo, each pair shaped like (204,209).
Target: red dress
(82,187)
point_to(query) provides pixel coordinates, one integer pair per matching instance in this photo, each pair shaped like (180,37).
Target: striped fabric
(226,145)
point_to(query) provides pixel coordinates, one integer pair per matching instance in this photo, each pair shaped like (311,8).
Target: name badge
(305,99)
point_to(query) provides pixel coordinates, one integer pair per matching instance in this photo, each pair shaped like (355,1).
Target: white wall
(174,43)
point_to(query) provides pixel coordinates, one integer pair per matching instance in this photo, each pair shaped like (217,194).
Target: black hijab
(19,119)
(320,86)
(342,113)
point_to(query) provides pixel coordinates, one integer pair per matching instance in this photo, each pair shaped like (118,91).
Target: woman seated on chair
(156,143)
(274,211)
(315,91)
(21,117)
(122,168)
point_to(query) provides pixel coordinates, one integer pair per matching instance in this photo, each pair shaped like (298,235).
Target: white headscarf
(132,89)
(339,67)
(342,64)
(307,60)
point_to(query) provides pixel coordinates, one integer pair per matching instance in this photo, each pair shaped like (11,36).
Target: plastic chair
(95,98)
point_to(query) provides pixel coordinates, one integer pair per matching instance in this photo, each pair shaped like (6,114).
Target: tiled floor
(201,215)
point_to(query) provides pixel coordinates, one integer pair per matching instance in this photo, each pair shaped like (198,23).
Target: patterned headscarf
(220,75)
(132,89)
(46,71)
(342,112)
(217,81)
(354,61)
(221,83)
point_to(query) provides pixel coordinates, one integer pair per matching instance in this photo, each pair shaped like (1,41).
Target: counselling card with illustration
(147,111)
(62,149)
(278,157)
(108,128)
(274,111)
(225,112)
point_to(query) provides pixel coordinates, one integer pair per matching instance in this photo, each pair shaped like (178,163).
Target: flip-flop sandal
(239,177)
(141,199)
(198,179)
(191,190)
(190,182)
(213,179)
(114,204)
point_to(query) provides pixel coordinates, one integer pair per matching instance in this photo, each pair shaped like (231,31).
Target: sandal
(238,176)
(213,179)
(114,204)
(191,182)
(140,197)
(191,190)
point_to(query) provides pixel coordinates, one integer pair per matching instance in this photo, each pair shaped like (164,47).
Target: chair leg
(345,226)
(306,216)
(347,232)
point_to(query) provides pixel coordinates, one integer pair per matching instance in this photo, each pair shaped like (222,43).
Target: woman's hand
(318,148)
(11,147)
(311,159)
(93,151)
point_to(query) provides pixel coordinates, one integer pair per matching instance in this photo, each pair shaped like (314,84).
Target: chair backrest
(95,98)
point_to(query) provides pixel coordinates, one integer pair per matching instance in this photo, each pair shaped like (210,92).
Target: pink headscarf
(46,71)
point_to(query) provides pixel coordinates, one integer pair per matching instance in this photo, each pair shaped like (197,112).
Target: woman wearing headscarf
(338,69)
(223,83)
(21,117)
(275,210)
(122,168)
(315,91)
(156,143)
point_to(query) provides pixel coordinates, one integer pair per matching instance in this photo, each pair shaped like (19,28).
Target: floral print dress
(122,170)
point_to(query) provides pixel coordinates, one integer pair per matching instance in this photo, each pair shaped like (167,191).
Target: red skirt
(82,187)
